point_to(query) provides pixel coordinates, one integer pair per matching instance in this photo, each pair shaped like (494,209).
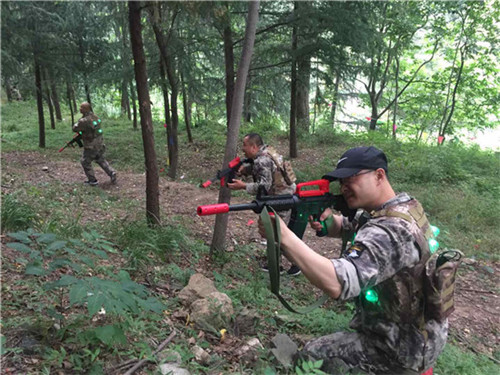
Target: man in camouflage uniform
(93,147)
(383,269)
(266,175)
(265,172)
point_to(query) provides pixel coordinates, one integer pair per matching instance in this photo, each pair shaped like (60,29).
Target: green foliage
(139,241)
(115,297)
(453,360)
(15,215)
(309,368)
(44,254)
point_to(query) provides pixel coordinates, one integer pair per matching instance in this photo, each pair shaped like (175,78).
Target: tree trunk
(49,99)
(141,77)
(166,108)
(335,96)
(134,105)
(187,115)
(84,69)
(220,227)
(169,65)
(54,95)
(39,102)
(293,92)
(8,89)
(68,93)
(303,85)
(120,29)
(247,113)
(229,64)
(395,109)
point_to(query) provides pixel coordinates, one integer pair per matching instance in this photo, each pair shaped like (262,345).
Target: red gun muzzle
(212,209)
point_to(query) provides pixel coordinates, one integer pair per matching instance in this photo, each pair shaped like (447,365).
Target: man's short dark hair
(254,138)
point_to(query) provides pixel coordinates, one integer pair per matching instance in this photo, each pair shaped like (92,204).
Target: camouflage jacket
(382,258)
(263,170)
(92,139)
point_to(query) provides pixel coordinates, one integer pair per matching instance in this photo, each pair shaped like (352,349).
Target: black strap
(273,236)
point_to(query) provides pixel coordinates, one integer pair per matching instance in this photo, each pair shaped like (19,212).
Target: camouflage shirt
(384,248)
(92,139)
(262,170)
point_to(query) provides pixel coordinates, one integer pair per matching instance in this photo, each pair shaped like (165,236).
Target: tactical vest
(283,176)
(423,292)
(92,134)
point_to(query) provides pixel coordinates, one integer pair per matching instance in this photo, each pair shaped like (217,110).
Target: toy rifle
(303,203)
(76,139)
(227,175)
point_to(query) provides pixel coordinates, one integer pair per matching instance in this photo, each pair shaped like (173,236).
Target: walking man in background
(89,126)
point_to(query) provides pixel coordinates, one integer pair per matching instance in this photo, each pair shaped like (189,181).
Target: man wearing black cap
(382,269)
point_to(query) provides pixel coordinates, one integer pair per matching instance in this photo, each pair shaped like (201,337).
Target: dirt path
(475,322)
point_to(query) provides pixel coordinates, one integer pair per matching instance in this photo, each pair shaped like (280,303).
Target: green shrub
(15,215)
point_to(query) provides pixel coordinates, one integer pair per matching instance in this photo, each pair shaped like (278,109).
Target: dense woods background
(417,79)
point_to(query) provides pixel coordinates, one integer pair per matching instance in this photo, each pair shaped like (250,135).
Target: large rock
(213,312)
(284,349)
(198,287)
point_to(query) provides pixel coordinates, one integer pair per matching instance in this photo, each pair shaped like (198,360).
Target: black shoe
(91,183)
(265,268)
(294,271)
(113,178)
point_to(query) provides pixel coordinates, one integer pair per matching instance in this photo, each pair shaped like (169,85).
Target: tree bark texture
(68,94)
(54,95)
(187,114)
(141,77)
(49,99)
(220,228)
(293,93)
(173,142)
(229,64)
(303,85)
(39,101)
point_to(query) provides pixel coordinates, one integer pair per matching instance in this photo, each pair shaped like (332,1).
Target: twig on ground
(477,291)
(160,347)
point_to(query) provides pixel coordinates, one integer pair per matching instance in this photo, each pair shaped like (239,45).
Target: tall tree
(169,61)
(293,91)
(220,228)
(141,77)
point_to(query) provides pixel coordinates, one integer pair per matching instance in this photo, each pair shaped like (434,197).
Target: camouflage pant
(351,353)
(90,155)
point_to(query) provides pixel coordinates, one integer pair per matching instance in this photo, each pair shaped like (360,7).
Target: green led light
(94,123)
(433,245)
(99,131)
(80,133)
(99,120)
(435,230)
(371,296)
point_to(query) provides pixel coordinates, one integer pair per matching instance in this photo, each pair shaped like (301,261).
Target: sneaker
(91,183)
(265,268)
(113,178)
(294,271)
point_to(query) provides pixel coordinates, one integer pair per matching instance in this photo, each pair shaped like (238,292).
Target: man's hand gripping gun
(227,175)
(76,139)
(303,204)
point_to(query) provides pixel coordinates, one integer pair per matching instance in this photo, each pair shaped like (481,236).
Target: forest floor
(475,324)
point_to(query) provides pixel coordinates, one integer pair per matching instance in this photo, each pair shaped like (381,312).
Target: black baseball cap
(357,159)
